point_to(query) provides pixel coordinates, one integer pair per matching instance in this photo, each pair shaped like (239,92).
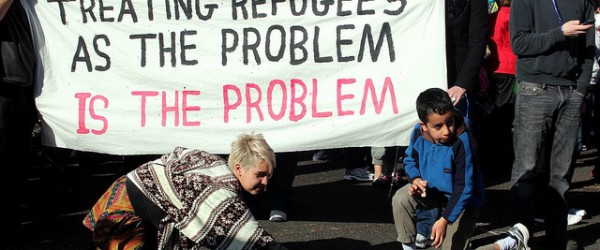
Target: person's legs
(594,114)
(356,167)
(381,166)
(563,147)
(377,155)
(279,189)
(515,239)
(17,117)
(425,220)
(534,105)
(458,234)
(404,215)
(404,211)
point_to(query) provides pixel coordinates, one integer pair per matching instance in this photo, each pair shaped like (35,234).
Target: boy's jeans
(404,206)
(546,126)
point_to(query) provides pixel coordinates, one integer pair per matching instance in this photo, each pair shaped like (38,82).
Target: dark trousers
(17,117)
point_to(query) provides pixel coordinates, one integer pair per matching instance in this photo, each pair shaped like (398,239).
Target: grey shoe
(521,234)
(358,174)
(278,216)
(422,242)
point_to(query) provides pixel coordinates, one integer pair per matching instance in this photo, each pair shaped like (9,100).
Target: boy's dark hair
(433,100)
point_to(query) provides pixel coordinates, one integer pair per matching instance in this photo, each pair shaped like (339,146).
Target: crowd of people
(527,67)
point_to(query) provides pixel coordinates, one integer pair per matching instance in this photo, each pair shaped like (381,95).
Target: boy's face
(439,127)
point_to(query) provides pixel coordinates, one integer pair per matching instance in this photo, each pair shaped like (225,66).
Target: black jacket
(17,64)
(466,38)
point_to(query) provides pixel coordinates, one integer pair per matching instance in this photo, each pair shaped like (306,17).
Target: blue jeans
(546,127)
(425,220)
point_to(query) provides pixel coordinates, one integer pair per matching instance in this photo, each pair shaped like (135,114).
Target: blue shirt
(450,168)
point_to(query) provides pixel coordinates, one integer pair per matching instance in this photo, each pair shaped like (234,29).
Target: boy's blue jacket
(451,169)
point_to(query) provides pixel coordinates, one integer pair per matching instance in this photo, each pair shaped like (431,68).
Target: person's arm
(411,158)
(4,5)
(583,82)
(523,40)
(468,76)
(463,178)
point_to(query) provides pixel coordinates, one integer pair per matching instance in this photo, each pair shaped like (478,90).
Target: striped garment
(202,199)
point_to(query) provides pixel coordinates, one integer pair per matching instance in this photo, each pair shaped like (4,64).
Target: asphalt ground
(328,212)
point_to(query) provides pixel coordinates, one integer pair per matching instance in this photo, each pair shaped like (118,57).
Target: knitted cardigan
(201,197)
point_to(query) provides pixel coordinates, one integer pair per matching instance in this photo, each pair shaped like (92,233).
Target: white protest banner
(141,77)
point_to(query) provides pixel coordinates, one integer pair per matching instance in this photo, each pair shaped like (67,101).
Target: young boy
(441,163)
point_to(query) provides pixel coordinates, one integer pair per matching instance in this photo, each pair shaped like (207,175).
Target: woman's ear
(238,169)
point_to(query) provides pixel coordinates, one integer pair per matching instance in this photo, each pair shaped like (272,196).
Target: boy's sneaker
(358,174)
(520,233)
(383,181)
(422,242)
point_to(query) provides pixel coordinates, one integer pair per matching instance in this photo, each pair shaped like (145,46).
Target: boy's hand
(418,187)
(438,232)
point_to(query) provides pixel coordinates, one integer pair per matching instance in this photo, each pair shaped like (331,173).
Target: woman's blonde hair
(249,150)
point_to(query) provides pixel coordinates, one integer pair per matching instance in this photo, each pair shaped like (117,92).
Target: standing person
(593,100)
(502,61)
(554,49)
(17,107)
(496,133)
(191,198)
(441,164)
(466,39)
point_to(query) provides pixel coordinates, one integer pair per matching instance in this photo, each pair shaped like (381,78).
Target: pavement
(328,212)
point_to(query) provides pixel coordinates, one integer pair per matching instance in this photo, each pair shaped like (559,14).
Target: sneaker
(383,181)
(573,219)
(579,212)
(422,242)
(573,245)
(320,155)
(399,180)
(278,216)
(520,233)
(358,174)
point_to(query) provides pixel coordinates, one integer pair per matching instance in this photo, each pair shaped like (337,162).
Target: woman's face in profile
(255,179)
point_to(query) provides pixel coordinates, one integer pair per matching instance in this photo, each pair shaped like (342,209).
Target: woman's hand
(456,93)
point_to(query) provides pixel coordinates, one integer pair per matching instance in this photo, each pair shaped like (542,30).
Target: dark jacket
(466,38)
(17,64)
(544,54)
